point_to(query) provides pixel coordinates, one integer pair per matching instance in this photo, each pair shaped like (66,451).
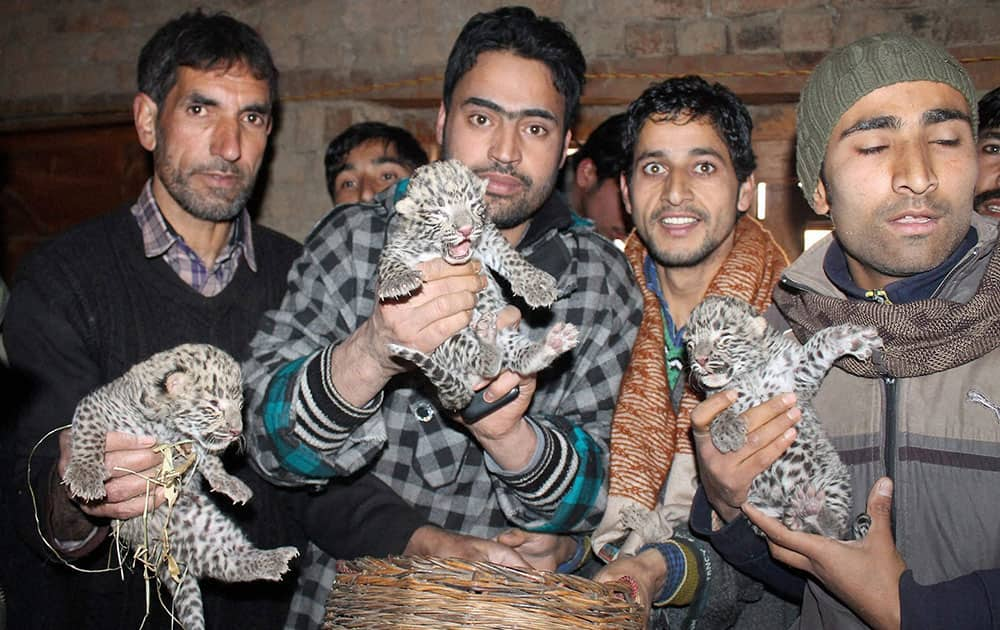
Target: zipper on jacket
(890,438)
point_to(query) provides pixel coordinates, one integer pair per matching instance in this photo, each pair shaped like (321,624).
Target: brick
(806,30)
(930,24)
(703,37)
(749,7)
(647,39)
(600,39)
(584,11)
(876,4)
(974,26)
(756,34)
(854,25)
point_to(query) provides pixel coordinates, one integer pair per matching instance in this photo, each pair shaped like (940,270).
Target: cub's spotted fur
(191,392)
(730,346)
(443,215)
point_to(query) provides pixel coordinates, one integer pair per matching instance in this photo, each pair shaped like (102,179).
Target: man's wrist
(514,449)
(70,528)
(575,557)
(355,373)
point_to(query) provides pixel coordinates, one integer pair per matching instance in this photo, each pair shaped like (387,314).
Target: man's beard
(215,207)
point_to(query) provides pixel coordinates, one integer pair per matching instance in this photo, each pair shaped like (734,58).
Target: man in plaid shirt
(328,401)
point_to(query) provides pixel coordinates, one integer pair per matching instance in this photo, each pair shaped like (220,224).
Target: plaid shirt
(159,239)
(301,432)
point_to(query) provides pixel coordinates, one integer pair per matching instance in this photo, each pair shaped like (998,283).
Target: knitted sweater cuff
(683,575)
(324,418)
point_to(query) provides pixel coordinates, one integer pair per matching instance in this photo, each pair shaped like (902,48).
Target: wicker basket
(421,592)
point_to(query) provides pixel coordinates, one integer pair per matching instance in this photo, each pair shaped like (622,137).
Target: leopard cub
(444,216)
(730,346)
(193,392)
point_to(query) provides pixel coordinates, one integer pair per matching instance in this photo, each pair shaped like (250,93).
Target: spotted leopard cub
(444,216)
(730,346)
(191,392)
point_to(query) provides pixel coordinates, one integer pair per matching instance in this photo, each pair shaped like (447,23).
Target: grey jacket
(939,442)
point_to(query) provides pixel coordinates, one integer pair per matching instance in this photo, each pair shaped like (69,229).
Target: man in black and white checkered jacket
(327,400)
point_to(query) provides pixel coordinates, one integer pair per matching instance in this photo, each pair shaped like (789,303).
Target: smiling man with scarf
(688,185)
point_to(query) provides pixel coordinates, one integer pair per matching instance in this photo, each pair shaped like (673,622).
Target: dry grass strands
(422,592)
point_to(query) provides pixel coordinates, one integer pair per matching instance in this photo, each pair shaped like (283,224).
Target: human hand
(430,540)
(438,309)
(544,552)
(124,454)
(647,571)
(864,574)
(726,477)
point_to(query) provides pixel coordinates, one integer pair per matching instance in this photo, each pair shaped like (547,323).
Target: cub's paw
(271,564)
(234,488)
(537,288)
(563,337)
(400,284)
(729,432)
(86,482)
(485,328)
(859,341)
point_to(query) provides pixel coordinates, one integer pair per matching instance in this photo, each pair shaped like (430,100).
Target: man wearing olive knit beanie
(886,147)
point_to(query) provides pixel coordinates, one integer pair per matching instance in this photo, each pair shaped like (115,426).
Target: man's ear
(586,174)
(623,184)
(144,112)
(746,194)
(821,204)
(439,128)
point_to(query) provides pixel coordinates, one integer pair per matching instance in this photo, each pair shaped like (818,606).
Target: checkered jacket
(301,432)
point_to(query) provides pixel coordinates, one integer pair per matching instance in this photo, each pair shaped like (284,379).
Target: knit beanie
(850,73)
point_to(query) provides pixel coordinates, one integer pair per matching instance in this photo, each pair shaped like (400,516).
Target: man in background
(368,157)
(595,194)
(987,200)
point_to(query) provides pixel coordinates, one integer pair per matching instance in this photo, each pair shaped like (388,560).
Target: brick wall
(349,60)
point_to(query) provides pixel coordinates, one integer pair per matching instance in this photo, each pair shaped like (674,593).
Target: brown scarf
(646,432)
(920,338)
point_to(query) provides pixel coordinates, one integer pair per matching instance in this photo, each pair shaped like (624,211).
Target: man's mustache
(985,196)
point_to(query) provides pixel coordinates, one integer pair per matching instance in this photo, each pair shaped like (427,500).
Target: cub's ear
(482,186)
(176,382)
(406,207)
(758,325)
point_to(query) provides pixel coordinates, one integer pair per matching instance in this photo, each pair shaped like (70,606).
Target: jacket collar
(810,272)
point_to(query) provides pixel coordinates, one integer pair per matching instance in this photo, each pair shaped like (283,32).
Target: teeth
(909,219)
(677,220)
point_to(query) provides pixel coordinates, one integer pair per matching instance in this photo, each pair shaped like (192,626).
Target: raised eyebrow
(650,154)
(531,112)
(700,151)
(875,122)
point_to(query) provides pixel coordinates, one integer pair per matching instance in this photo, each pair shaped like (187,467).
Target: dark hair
(692,96)
(604,147)
(520,31)
(411,154)
(989,110)
(202,42)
